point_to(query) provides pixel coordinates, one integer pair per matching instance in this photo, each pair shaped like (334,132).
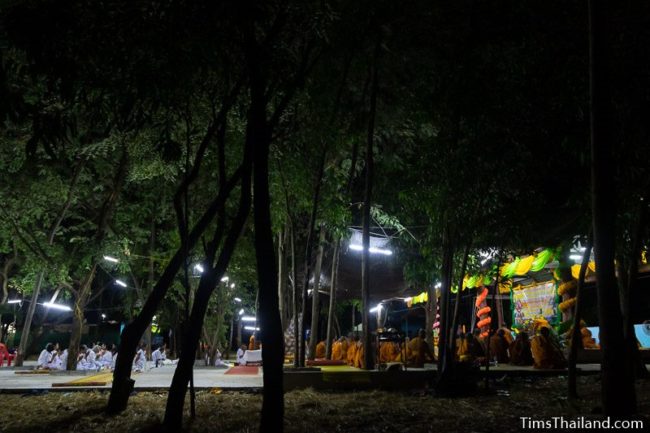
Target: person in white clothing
(84,360)
(139,359)
(240,355)
(218,362)
(45,358)
(158,356)
(63,360)
(106,359)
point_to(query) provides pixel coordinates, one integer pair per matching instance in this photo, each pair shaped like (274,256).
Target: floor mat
(94,380)
(243,370)
(338,368)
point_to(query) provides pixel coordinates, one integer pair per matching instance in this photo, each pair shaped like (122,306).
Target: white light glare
(409,299)
(14,301)
(232,286)
(57,306)
(575,257)
(357,247)
(248,319)
(111,259)
(224,279)
(251,328)
(241,311)
(438,285)
(198,268)
(376,309)
(120,283)
(238,300)
(103,316)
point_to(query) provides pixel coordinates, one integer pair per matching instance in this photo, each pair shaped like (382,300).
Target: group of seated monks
(415,352)
(542,351)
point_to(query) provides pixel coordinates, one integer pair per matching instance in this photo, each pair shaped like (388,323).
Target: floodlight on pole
(251,328)
(376,309)
(224,279)
(238,300)
(241,311)
(248,319)
(373,250)
(198,268)
(575,257)
(120,283)
(111,259)
(57,306)
(14,301)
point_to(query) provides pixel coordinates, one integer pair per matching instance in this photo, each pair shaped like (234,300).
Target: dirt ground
(316,411)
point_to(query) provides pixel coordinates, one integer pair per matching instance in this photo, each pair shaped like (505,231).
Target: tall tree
(618,393)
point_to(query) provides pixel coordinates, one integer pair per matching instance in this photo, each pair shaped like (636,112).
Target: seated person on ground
(420,350)
(321,350)
(520,350)
(351,354)
(218,362)
(546,355)
(46,357)
(499,347)
(158,356)
(139,359)
(388,351)
(240,354)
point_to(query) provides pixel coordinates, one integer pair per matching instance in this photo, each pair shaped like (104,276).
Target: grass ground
(316,411)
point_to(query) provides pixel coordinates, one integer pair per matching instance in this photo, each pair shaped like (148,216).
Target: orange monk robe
(337,352)
(251,343)
(344,348)
(419,351)
(462,353)
(320,350)
(387,351)
(352,354)
(359,361)
(499,349)
(520,352)
(545,354)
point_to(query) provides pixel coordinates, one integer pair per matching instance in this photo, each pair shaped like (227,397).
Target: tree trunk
(282,277)
(576,338)
(367,203)
(315,295)
(272,415)
(430,314)
(444,357)
(310,232)
(208,283)
(618,393)
(295,301)
(122,382)
(454,318)
(332,306)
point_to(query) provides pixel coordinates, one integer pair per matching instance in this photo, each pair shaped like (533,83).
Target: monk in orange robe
(352,352)
(546,355)
(499,347)
(420,350)
(520,351)
(320,350)
(388,350)
(359,360)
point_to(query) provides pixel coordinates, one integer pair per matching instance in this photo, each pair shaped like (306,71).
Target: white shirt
(240,356)
(157,356)
(44,359)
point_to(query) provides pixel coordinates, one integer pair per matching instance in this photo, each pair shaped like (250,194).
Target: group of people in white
(100,357)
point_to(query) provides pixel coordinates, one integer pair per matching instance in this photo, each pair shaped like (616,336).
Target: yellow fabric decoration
(524,265)
(505,287)
(592,266)
(565,305)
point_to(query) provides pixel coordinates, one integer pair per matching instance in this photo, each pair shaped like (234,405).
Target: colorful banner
(533,302)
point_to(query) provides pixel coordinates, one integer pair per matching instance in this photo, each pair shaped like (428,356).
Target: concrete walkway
(209,377)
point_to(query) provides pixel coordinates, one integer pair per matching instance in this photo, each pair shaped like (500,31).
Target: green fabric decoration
(541,260)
